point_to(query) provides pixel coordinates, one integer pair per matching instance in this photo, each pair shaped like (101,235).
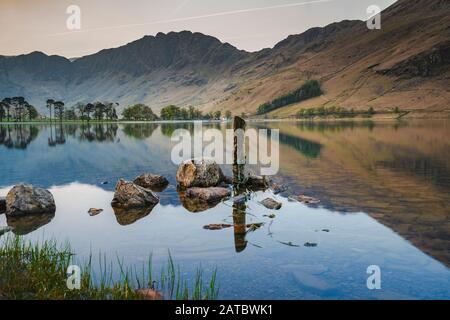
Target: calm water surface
(384,191)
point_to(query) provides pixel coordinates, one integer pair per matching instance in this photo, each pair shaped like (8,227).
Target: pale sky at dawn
(40,25)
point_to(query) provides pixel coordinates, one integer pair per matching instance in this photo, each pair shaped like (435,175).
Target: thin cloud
(211,15)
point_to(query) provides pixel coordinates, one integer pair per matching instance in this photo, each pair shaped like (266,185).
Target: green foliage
(38,272)
(337,112)
(309,89)
(139,112)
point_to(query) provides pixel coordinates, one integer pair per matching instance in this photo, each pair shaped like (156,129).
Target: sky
(41,25)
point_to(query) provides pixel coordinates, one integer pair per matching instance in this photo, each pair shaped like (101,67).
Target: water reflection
(397,173)
(17,136)
(27,224)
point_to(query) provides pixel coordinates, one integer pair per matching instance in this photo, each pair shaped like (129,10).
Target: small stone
(104,182)
(310,244)
(149,294)
(326,230)
(271,204)
(153,182)
(217,226)
(305,199)
(271,216)
(94,211)
(277,189)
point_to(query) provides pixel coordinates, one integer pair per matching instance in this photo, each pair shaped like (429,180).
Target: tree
(7,105)
(217,115)
(59,109)
(2,111)
(50,103)
(88,109)
(228,114)
(139,112)
(32,112)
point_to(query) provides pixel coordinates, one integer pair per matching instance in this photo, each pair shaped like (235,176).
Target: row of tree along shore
(17,109)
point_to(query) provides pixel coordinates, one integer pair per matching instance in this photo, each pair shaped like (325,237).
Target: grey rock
(210,195)
(201,173)
(130,195)
(271,204)
(25,199)
(153,182)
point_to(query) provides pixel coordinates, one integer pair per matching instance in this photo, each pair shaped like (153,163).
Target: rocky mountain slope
(406,64)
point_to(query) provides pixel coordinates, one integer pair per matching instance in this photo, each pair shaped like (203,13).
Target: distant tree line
(17,109)
(309,89)
(190,113)
(83,111)
(336,112)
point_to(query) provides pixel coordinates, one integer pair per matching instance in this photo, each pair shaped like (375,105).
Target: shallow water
(384,191)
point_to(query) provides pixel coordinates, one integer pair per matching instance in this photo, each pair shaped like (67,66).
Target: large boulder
(201,173)
(25,199)
(130,195)
(2,205)
(153,182)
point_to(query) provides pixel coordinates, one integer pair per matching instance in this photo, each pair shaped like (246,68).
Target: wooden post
(239,209)
(238,169)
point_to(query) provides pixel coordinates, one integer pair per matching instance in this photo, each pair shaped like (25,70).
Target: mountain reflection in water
(379,185)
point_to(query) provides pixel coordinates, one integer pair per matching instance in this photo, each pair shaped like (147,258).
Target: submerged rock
(22,225)
(153,182)
(271,204)
(2,205)
(94,211)
(310,244)
(149,294)
(217,226)
(305,199)
(256,183)
(210,195)
(277,188)
(201,173)
(25,199)
(130,195)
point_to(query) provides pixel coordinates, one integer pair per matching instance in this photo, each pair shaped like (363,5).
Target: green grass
(38,271)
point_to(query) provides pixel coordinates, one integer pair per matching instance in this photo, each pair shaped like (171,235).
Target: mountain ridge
(357,67)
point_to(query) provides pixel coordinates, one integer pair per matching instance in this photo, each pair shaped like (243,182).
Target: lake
(384,189)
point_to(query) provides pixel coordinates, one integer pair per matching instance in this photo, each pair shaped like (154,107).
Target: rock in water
(25,199)
(210,195)
(130,195)
(2,205)
(150,294)
(201,173)
(152,182)
(271,204)
(256,183)
(94,211)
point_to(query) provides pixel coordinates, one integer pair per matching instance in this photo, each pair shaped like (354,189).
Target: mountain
(406,64)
